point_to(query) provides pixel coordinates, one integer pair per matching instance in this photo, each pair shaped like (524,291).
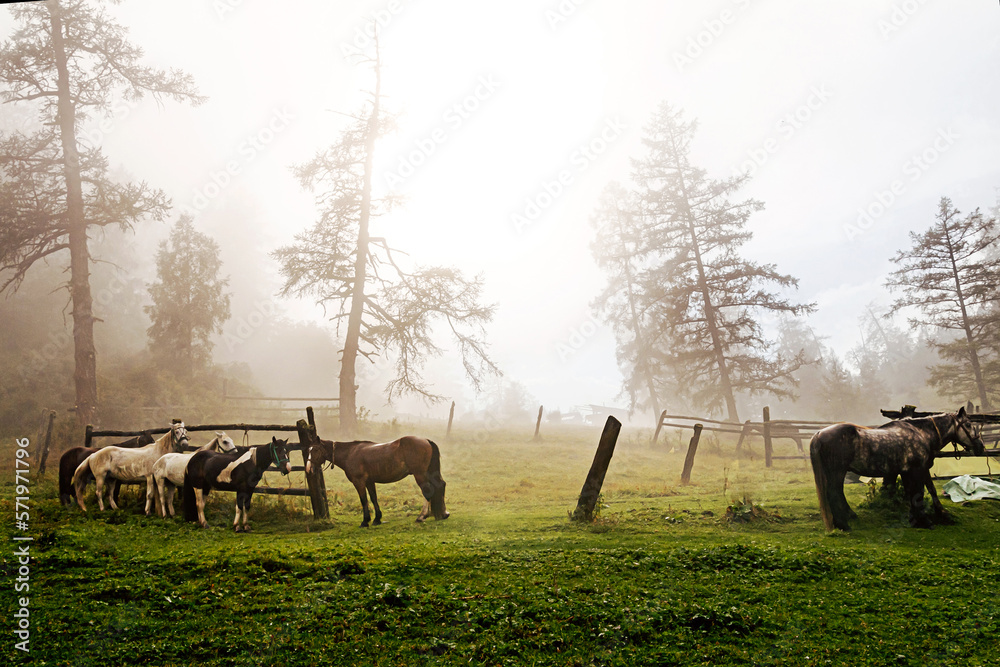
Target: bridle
(274,457)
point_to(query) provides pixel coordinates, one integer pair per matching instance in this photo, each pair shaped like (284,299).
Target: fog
(852,118)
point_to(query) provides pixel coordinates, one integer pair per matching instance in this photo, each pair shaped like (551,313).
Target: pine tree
(189,300)
(70,59)
(951,279)
(703,296)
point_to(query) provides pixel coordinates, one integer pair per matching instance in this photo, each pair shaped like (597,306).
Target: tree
(618,248)
(189,299)
(71,59)
(388,309)
(950,278)
(703,296)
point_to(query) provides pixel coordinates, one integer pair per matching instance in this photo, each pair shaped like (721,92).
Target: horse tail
(437,482)
(822,483)
(80,478)
(187,494)
(66,471)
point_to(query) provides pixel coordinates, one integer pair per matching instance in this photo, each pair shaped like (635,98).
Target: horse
(238,471)
(127,465)
(904,447)
(367,463)
(168,471)
(72,458)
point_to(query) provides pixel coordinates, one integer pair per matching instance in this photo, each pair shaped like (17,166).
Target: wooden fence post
(744,434)
(451,418)
(692,450)
(659,425)
(88,435)
(595,478)
(768,451)
(538,425)
(314,480)
(43,445)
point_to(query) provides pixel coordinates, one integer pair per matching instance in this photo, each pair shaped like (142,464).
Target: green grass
(662,577)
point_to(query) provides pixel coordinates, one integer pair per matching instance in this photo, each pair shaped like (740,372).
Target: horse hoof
(246,529)
(237,529)
(364,524)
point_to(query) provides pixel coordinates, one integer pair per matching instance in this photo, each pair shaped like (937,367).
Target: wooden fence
(304,428)
(801,431)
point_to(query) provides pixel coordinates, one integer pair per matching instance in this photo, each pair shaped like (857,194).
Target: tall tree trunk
(969,338)
(85,374)
(349,358)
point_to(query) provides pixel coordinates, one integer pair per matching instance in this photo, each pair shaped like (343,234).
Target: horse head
(318,455)
(967,435)
(225,443)
(279,455)
(178,436)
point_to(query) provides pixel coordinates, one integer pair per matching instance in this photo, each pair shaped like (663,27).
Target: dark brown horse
(905,447)
(367,463)
(72,458)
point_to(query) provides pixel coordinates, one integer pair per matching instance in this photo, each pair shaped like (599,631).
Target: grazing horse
(366,464)
(168,471)
(128,465)
(72,458)
(905,447)
(238,471)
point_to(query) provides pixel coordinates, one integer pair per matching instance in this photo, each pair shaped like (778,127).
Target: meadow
(733,569)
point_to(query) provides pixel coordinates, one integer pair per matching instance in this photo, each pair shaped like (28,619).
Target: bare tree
(951,277)
(71,59)
(388,307)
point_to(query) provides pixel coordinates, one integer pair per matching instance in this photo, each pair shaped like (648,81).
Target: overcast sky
(838,109)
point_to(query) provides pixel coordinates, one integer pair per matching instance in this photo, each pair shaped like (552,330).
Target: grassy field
(734,569)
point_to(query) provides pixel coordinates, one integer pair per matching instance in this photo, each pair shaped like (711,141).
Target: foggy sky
(838,108)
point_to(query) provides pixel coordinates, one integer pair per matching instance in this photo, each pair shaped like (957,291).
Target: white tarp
(966,487)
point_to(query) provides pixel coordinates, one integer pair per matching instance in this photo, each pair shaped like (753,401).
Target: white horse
(168,471)
(127,465)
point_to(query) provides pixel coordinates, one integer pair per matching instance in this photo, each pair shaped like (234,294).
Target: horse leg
(167,497)
(940,516)
(374,496)
(839,508)
(99,483)
(359,484)
(151,494)
(246,512)
(199,496)
(427,489)
(913,487)
(236,521)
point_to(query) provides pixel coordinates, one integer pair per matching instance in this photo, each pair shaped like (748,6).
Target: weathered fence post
(659,425)
(451,418)
(744,434)
(314,479)
(43,444)
(692,450)
(88,435)
(538,425)
(595,478)
(768,451)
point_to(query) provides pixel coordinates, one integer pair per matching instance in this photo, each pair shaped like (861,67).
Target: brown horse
(72,458)
(905,447)
(367,463)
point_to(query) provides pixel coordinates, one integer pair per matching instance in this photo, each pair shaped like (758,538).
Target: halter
(274,457)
